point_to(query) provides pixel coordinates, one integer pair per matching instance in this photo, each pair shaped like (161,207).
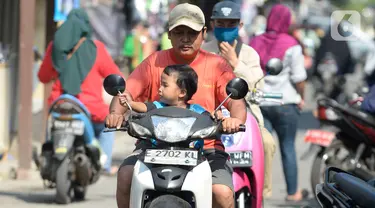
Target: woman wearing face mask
(244,60)
(277,43)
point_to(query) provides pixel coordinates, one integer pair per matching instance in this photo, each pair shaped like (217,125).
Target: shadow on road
(309,203)
(36,198)
(48,198)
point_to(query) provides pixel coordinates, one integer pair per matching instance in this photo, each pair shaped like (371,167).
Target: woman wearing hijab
(77,66)
(277,43)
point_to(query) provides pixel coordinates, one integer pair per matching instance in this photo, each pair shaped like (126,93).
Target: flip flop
(112,172)
(304,193)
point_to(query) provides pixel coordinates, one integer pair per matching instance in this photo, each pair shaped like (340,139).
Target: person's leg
(106,140)
(269,152)
(124,179)
(286,129)
(267,113)
(222,182)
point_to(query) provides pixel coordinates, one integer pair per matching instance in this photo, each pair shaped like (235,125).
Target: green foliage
(357,5)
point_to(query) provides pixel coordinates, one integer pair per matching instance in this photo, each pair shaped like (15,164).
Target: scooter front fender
(240,180)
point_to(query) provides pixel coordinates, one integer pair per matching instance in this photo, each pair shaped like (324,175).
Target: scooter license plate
(319,137)
(171,157)
(76,127)
(242,158)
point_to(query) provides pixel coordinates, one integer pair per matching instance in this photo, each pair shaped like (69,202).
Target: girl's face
(169,91)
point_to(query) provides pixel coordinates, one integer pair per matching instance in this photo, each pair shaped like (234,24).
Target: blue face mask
(223,34)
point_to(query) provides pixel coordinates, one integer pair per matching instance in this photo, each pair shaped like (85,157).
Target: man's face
(186,42)
(226,23)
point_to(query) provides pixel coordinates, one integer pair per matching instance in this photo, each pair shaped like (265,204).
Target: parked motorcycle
(350,146)
(341,189)
(174,173)
(246,149)
(70,159)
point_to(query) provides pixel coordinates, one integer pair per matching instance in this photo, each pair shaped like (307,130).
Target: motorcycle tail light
(326,114)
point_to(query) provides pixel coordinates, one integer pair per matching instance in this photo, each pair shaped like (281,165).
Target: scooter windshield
(172,124)
(172,129)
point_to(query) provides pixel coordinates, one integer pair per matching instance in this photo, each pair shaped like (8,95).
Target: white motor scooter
(175,173)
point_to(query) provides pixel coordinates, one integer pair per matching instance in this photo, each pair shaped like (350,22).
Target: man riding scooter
(186,32)
(245,62)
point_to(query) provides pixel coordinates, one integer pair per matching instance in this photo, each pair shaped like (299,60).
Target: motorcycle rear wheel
(63,182)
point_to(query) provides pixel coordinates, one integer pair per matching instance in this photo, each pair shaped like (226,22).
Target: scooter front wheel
(168,201)
(243,199)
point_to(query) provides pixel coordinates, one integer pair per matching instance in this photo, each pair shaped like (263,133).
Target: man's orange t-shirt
(213,75)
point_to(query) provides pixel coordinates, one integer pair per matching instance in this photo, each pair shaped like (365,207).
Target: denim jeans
(284,120)
(106,141)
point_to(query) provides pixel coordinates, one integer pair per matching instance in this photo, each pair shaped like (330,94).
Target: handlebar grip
(273,95)
(242,128)
(138,115)
(115,129)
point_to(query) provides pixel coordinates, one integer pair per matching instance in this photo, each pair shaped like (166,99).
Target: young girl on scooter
(178,85)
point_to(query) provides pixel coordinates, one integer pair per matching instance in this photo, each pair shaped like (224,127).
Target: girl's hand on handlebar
(124,98)
(219,115)
(231,125)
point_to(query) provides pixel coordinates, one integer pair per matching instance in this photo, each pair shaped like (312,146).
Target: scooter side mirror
(237,88)
(274,66)
(113,84)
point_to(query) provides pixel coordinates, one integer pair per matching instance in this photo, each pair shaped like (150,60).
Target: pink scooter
(246,149)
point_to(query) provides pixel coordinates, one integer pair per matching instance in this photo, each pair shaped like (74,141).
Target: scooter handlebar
(242,127)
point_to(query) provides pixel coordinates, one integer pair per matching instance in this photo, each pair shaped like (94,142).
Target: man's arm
(237,109)
(107,65)
(138,85)
(116,112)
(369,66)
(116,107)
(46,72)
(368,103)
(298,72)
(300,87)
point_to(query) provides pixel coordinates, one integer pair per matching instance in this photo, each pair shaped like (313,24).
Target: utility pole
(26,38)
(50,31)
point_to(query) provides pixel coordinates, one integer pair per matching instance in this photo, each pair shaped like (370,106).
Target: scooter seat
(358,190)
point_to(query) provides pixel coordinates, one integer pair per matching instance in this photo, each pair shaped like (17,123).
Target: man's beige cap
(188,15)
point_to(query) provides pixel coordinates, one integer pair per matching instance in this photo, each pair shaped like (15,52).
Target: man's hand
(301,104)
(228,52)
(231,125)
(114,120)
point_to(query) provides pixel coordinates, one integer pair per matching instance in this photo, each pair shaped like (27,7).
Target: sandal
(111,172)
(304,194)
